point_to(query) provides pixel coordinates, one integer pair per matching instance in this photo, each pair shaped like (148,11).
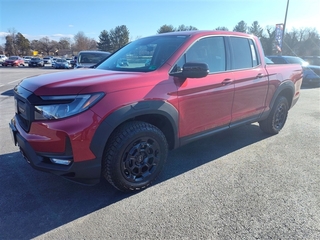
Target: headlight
(65,106)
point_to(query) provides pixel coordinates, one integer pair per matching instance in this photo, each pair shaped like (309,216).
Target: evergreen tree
(255,29)
(22,44)
(222,29)
(166,28)
(104,43)
(182,27)
(119,37)
(241,27)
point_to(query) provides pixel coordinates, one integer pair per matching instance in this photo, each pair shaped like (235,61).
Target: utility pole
(285,21)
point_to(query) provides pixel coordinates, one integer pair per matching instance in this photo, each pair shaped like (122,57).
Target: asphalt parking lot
(239,184)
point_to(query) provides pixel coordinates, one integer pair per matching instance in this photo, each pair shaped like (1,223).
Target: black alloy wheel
(134,156)
(140,159)
(277,117)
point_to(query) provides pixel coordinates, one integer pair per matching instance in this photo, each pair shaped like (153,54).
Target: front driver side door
(205,103)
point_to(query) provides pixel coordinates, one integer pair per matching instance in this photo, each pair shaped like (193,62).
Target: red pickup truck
(119,120)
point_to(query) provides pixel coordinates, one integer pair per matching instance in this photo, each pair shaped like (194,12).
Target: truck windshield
(145,54)
(91,57)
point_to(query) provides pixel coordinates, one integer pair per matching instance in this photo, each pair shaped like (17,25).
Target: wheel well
(287,93)
(160,122)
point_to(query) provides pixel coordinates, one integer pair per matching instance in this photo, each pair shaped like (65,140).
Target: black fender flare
(287,89)
(125,113)
(287,85)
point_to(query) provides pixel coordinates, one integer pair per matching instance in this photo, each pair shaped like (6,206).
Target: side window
(244,53)
(210,50)
(278,60)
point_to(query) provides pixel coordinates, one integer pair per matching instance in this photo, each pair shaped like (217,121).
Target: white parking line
(15,81)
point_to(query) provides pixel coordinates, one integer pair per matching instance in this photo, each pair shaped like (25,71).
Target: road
(239,184)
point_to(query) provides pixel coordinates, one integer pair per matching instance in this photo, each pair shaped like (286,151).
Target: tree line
(297,42)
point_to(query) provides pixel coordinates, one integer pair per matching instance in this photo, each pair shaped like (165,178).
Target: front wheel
(277,117)
(134,156)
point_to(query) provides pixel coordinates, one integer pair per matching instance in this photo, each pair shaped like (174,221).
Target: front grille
(23,114)
(23,107)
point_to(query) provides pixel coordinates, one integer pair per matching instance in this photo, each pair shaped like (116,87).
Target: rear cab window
(243,53)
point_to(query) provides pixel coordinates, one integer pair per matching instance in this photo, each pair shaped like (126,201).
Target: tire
(134,156)
(277,117)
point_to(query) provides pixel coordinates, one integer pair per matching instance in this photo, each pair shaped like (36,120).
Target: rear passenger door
(250,79)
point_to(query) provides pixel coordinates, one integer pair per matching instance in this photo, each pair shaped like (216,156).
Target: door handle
(227,81)
(260,75)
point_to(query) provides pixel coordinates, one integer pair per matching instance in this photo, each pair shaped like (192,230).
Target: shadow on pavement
(8,93)
(33,203)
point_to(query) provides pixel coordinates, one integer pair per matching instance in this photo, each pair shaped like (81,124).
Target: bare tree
(35,45)
(82,42)
(2,51)
(291,43)
(47,46)
(65,43)
(312,43)
(302,42)
(10,45)
(268,40)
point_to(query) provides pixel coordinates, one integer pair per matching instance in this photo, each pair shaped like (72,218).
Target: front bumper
(10,64)
(36,64)
(84,172)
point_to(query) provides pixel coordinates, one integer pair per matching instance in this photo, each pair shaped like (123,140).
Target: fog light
(61,161)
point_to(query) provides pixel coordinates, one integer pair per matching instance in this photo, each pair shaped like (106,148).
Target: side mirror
(192,70)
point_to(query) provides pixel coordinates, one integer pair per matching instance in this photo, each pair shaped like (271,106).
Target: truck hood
(79,81)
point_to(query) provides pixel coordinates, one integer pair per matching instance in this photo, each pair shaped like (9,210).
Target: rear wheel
(134,156)
(277,117)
